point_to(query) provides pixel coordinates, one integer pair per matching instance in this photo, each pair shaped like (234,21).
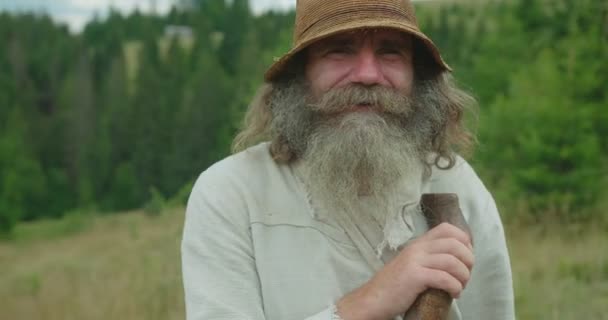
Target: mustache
(379,98)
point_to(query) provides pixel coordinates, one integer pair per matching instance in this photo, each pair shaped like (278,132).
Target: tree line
(127,110)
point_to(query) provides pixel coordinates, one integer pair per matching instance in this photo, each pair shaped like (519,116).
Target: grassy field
(114,267)
(127,267)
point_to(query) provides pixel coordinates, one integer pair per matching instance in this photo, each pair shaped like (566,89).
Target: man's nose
(366,68)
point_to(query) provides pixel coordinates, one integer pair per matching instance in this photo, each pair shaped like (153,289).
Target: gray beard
(359,163)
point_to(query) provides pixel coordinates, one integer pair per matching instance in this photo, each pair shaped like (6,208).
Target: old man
(317,214)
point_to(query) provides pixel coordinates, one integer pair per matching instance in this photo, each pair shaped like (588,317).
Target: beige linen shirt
(253,249)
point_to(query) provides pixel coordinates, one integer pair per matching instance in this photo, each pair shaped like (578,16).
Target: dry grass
(127,267)
(120,267)
(560,273)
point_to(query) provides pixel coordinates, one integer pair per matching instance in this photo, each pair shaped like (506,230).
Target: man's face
(374,57)
(357,122)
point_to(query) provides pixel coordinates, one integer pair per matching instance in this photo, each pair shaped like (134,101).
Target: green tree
(540,145)
(22,181)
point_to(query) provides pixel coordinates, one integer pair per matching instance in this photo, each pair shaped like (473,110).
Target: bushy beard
(360,162)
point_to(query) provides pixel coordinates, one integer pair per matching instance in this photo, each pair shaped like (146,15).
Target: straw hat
(318,19)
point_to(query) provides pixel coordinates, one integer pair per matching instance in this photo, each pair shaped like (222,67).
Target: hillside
(137,106)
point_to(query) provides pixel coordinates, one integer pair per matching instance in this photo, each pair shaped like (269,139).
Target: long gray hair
(439,110)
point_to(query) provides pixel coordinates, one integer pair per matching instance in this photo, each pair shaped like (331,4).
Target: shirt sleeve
(218,260)
(489,293)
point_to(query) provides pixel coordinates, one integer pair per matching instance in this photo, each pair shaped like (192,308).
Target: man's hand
(442,259)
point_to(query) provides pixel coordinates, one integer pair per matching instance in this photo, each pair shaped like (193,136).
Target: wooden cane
(434,304)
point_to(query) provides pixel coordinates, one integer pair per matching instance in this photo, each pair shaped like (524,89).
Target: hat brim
(278,67)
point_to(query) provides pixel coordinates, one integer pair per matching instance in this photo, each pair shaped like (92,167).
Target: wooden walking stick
(434,304)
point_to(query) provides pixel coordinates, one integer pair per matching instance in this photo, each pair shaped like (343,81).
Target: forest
(135,106)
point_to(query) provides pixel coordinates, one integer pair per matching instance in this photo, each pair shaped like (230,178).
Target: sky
(76,13)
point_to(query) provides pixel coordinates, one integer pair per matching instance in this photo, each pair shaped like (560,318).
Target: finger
(442,280)
(453,247)
(450,264)
(446,230)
